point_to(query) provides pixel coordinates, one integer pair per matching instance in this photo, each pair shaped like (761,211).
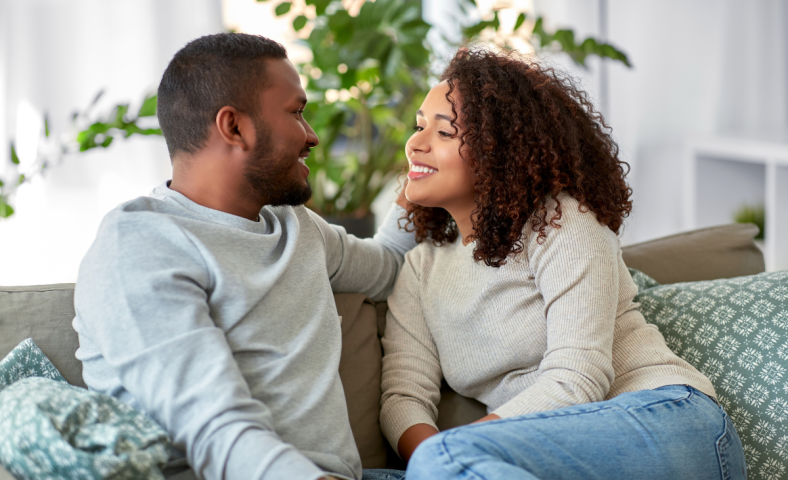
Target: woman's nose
(417,143)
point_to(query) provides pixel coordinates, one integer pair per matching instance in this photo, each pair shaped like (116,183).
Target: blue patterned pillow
(26,360)
(735,331)
(49,429)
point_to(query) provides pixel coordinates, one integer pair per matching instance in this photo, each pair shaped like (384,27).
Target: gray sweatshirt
(224,330)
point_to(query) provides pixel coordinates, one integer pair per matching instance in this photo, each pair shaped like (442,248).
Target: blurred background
(696,93)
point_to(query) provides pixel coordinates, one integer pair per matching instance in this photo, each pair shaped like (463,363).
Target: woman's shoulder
(427,256)
(576,223)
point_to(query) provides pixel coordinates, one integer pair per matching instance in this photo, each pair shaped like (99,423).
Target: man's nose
(311,136)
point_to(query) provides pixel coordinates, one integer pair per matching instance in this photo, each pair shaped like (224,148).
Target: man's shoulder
(148,213)
(141,222)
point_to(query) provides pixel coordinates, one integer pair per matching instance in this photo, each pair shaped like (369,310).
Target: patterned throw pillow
(26,360)
(49,429)
(735,331)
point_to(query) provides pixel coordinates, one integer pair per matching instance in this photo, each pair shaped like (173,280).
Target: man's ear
(236,128)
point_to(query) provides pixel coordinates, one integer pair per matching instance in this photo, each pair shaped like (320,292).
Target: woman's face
(438,176)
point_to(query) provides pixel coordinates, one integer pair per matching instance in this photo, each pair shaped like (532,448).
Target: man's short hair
(226,69)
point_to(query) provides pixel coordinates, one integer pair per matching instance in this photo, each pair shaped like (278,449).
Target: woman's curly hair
(529,135)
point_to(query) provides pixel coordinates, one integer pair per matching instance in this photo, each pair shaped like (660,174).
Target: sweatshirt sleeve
(576,271)
(411,367)
(142,298)
(368,265)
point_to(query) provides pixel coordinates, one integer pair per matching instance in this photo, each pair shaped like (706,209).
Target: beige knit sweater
(556,326)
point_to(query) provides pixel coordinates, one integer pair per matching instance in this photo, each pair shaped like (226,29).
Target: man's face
(276,168)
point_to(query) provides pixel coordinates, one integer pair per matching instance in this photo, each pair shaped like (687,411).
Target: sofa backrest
(43,313)
(707,254)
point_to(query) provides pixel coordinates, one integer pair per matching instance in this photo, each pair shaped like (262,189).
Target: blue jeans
(671,432)
(383,474)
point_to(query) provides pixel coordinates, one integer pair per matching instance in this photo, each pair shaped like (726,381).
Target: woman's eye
(418,128)
(445,134)
(299,112)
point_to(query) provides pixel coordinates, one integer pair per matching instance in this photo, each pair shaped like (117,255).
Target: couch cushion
(43,313)
(715,252)
(359,369)
(735,331)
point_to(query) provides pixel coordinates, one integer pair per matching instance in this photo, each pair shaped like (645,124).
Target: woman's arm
(411,368)
(412,438)
(576,270)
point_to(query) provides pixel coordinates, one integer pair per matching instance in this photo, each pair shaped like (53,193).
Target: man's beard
(271,176)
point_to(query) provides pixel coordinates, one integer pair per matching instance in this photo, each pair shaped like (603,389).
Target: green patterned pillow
(26,360)
(735,331)
(49,429)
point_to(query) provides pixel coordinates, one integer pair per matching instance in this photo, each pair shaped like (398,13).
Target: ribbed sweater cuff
(395,419)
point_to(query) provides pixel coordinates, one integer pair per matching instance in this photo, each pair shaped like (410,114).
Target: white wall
(702,67)
(55,56)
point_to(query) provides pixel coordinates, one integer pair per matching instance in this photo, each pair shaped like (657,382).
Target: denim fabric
(672,432)
(383,474)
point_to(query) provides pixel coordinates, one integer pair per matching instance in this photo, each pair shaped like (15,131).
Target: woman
(518,296)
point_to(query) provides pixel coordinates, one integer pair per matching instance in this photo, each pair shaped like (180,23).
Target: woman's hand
(487,418)
(412,437)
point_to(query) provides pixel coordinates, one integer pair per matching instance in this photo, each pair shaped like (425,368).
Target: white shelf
(722,174)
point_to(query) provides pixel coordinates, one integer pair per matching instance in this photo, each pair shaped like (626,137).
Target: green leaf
(120,112)
(520,21)
(21,179)
(14,157)
(107,141)
(5,209)
(282,8)
(299,23)
(46,126)
(148,108)
(1,183)
(473,30)
(320,5)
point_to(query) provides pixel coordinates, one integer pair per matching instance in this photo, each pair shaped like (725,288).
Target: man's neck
(209,182)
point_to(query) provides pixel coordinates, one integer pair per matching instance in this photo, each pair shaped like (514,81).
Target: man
(208,305)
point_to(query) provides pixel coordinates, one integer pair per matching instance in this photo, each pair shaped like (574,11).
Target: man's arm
(142,298)
(368,265)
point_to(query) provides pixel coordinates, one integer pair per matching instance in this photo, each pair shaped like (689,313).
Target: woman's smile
(420,170)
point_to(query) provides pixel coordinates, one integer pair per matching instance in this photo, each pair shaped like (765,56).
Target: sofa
(44,313)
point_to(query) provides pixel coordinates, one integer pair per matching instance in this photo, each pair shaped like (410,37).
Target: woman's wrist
(412,438)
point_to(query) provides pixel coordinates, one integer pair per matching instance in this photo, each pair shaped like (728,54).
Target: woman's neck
(463,218)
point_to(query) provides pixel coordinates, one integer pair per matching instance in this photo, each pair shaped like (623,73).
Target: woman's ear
(236,128)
